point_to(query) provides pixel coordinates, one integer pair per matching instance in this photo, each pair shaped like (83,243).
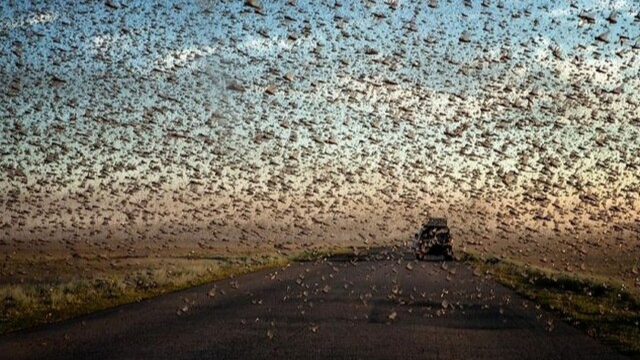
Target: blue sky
(144,100)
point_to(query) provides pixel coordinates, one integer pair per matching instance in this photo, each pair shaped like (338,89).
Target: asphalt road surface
(389,307)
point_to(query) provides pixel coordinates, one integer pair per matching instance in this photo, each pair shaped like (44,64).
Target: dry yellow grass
(36,301)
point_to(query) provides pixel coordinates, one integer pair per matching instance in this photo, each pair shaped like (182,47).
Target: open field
(57,290)
(42,292)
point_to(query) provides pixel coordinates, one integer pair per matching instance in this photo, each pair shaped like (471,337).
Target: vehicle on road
(434,238)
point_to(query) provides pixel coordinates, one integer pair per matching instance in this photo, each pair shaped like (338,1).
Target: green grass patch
(604,309)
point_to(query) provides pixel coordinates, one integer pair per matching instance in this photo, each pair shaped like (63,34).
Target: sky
(149,120)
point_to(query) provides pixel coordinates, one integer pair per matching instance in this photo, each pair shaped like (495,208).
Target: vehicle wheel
(448,255)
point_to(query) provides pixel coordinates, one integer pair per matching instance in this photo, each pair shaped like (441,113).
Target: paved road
(390,307)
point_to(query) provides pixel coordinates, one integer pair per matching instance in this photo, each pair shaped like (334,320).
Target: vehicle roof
(436,223)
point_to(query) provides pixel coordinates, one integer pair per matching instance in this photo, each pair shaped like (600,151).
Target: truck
(434,238)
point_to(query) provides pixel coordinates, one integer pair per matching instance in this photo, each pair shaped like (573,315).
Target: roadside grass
(603,308)
(317,254)
(30,304)
(25,305)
